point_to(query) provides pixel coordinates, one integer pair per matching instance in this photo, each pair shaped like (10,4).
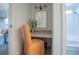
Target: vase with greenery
(33,24)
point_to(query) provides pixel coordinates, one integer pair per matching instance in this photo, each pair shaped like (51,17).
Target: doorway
(4,10)
(72,28)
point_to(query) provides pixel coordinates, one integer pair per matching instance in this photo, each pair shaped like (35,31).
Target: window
(6,20)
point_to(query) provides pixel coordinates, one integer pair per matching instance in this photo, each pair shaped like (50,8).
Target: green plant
(32,23)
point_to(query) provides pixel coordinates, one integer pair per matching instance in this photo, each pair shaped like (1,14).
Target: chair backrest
(26,35)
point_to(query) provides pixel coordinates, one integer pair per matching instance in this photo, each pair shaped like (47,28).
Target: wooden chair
(32,46)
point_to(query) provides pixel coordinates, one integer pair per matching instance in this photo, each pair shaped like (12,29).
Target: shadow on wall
(20,39)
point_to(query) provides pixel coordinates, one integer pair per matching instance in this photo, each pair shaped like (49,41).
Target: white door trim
(57,49)
(59,29)
(63,28)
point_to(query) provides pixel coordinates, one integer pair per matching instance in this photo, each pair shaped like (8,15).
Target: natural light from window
(6,20)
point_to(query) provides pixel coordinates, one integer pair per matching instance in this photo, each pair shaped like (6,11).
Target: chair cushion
(37,47)
(38,41)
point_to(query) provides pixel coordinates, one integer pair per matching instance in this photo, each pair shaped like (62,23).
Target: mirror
(41,19)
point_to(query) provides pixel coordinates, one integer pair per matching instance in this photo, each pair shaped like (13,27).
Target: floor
(72,45)
(3,47)
(72,51)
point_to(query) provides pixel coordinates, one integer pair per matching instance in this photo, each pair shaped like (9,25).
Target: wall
(48,10)
(19,14)
(2,23)
(4,6)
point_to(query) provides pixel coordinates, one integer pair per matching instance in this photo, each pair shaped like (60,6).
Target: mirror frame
(46,20)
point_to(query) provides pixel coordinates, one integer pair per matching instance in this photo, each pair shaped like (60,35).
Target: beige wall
(48,10)
(19,14)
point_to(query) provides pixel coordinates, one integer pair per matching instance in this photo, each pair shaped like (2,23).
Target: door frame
(57,49)
(63,28)
(59,29)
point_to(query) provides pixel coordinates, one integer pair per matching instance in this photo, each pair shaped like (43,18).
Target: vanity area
(42,34)
(41,24)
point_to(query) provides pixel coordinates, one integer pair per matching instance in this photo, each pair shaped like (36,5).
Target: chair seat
(37,41)
(37,47)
